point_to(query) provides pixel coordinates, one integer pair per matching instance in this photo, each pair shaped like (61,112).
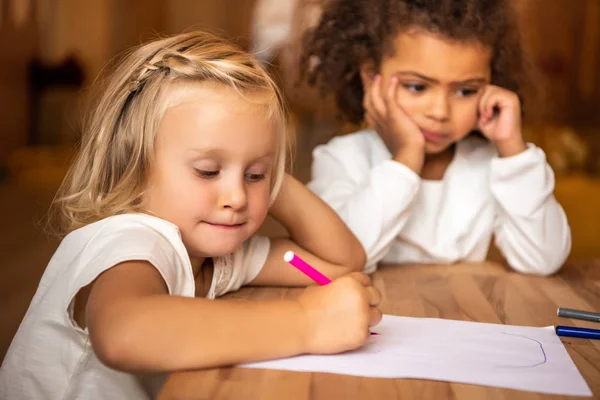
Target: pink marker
(305,268)
(308,270)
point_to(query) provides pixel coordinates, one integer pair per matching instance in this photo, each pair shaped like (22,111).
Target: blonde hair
(108,176)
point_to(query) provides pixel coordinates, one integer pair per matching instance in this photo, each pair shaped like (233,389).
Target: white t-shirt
(400,218)
(51,357)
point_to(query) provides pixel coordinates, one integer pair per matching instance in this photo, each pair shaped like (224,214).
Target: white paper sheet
(515,357)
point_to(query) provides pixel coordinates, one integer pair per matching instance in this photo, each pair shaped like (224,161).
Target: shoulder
(138,222)
(365,146)
(120,227)
(96,247)
(360,142)
(131,235)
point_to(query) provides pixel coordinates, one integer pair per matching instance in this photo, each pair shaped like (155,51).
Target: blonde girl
(181,161)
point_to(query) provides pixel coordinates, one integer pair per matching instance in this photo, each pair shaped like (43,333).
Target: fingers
(495,100)
(374,316)
(371,295)
(374,296)
(390,93)
(385,114)
(395,110)
(361,278)
(367,100)
(486,106)
(371,114)
(377,101)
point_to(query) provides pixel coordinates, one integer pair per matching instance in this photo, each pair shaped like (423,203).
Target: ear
(367,73)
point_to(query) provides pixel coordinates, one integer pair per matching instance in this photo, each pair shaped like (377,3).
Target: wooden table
(485,292)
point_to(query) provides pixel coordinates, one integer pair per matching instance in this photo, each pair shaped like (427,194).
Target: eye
(467,92)
(415,87)
(206,174)
(255,177)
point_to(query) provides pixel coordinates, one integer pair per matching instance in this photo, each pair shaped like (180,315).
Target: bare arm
(317,234)
(135,325)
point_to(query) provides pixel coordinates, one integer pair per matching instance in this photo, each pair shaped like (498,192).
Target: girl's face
(440,84)
(214,159)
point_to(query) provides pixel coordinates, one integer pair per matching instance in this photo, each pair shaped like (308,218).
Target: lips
(432,136)
(225,226)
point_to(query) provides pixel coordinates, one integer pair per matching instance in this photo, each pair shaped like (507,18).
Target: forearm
(538,244)
(531,229)
(314,226)
(167,333)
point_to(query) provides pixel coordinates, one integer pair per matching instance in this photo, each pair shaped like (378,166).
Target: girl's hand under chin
(500,120)
(400,134)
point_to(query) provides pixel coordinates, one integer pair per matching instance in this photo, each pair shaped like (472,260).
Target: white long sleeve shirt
(400,218)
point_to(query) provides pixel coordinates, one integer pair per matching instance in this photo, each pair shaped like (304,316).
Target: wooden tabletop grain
(483,292)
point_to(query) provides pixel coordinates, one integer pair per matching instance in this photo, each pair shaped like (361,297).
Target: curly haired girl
(443,166)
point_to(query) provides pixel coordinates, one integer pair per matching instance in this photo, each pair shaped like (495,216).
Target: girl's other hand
(339,314)
(500,120)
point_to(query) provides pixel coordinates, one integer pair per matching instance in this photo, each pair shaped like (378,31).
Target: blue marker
(573,331)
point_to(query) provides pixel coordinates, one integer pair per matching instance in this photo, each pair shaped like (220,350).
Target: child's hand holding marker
(338,314)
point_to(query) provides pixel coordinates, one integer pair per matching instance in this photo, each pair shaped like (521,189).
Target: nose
(439,109)
(233,194)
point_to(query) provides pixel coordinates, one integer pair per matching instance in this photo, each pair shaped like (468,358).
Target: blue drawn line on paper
(526,366)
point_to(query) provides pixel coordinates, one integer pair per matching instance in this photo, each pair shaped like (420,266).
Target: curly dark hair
(353,32)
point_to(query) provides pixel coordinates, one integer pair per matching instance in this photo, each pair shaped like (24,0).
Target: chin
(221,249)
(434,148)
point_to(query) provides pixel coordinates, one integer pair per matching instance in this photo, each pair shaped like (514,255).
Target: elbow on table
(545,263)
(356,258)
(115,349)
